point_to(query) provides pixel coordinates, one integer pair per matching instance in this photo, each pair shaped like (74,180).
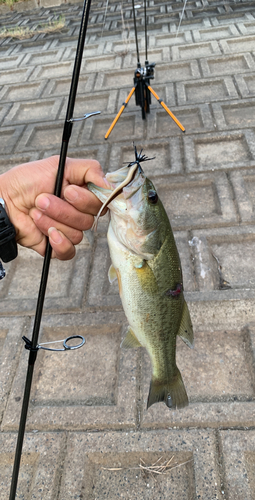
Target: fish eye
(152,196)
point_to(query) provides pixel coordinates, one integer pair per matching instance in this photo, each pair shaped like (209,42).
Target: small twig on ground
(161,468)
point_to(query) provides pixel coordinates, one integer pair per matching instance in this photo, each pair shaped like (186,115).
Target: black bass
(146,262)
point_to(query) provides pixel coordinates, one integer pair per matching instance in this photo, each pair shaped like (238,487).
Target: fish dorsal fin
(130,341)
(186,328)
(112,275)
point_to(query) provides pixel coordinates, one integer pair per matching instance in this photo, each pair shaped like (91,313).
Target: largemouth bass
(146,262)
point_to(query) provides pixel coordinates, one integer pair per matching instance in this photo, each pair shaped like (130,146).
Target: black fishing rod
(32,345)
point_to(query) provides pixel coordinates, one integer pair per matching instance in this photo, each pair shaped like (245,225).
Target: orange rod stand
(119,113)
(166,109)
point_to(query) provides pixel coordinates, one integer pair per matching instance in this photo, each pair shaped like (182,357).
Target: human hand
(36,213)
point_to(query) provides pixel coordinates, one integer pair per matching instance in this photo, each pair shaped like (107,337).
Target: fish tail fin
(173,393)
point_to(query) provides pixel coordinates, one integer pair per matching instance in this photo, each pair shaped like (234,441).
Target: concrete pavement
(87,414)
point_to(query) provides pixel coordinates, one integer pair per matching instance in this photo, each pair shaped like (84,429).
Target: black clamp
(8,245)
(33,350)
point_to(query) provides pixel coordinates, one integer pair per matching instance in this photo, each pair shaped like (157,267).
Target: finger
(82,199)
(81,171)
(63,249)
(43,223)
(63,212)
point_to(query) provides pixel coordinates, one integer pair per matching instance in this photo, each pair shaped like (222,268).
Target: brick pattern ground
(87,413)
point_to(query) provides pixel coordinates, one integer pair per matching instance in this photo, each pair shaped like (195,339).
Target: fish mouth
(125,183)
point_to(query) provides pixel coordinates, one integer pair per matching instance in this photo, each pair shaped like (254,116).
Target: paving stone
(11,331)
(107,395)
(243,186)
(28,46)
(206,90)
(14,76)
(111,80)
(203,200)
(40,465)
(178,71)
(193,51)
(168,39)
(89,463)
(10,62)
(247,28)
(62,86)
(45,136)
(246,44)
(102,63)
(51,71)
(9,161)
(246,85)
(214,34)
(10,137)
(222,258)
(232,115)
(21,91)
(227,65)
(65,284)
(193,118)
(219,151)
(238,449)
(44,57)
(33,111)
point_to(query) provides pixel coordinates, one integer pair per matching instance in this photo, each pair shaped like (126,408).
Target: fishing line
(145,27)
(182,14)
(104,20)
(136,39)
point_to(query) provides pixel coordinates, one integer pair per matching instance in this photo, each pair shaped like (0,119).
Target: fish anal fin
(186,328)
(112,275)
(173,393)
(130,341)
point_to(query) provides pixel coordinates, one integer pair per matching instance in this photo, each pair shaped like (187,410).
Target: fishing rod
(32,345)
(142,77)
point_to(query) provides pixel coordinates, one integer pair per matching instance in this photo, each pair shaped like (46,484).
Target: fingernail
(42,202)
(55,235)
(36,214)
(70,194)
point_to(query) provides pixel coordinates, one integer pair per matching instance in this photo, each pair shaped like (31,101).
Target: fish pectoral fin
(186,328)
(130,341)
(173,393)
(112,275)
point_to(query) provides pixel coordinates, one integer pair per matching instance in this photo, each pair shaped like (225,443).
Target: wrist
(4,195)
(8,245)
